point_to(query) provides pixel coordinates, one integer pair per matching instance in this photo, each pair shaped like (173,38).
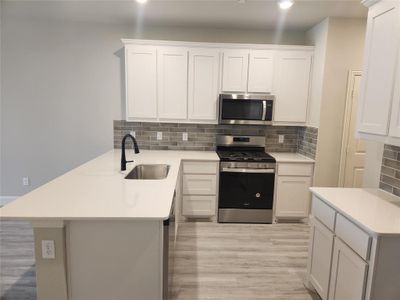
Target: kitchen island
(354,248)
(108,231)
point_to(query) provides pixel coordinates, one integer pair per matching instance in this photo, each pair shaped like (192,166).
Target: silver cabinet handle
(237,170)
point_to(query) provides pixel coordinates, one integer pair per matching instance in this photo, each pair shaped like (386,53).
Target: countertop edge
(354,220)
(300,158)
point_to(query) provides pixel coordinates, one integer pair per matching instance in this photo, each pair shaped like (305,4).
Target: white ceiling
(253,14)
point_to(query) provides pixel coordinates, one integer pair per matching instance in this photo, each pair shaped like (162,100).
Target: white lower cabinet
(199,189)
(198,205)
(320,260)
(345,262)
(292,190)
(349,273)
(199,184)
(294,196)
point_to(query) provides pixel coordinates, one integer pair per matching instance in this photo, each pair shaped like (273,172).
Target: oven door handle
(237,170)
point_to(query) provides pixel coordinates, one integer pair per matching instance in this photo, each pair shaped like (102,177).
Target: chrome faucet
(123,158)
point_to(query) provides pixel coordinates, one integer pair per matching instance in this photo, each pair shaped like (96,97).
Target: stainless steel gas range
(247,180)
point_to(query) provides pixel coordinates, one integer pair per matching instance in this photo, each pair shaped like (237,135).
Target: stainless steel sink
(149,172)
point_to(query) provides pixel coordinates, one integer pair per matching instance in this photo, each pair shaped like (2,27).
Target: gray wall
(61,88)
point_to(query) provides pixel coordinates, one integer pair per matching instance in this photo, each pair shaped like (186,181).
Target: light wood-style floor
(212,261)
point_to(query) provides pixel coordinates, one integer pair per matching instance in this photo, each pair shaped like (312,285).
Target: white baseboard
(6,199)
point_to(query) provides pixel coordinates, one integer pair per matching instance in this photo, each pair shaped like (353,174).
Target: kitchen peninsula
(107,231)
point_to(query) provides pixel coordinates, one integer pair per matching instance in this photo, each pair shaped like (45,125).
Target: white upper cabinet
(172,67)
(169,81)
(394,130)
(261,68)
(234,70)
(203,84)
(291,86)
(141,82)
(381,52)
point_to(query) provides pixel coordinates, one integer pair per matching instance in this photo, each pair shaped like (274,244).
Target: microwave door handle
(264,110)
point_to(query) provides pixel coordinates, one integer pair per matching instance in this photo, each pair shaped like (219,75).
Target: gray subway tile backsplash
(203,136)
(307,141)
(390,170)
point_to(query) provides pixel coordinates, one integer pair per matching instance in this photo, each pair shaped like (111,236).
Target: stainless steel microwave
(253,109)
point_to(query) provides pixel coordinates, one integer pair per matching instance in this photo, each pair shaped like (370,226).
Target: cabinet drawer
(200,167)
(199,184)
(295,169)
(353,236)
(198,206)
(323,212)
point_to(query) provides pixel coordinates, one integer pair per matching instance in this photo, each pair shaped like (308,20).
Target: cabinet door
(291,86)
(199,184)
(141,82)
(293,196)
(349,273)
(234,70)
(203,84)
(395,118)
(261,67)
(172,83)
(198,206)
(382,42)
(321,255)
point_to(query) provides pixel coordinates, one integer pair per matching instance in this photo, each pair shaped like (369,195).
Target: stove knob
(258,195)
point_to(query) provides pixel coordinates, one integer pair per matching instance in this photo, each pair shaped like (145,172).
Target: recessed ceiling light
(141,1)
(286,4)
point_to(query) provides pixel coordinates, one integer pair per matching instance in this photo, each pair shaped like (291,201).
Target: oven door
(246,188)
(245,111)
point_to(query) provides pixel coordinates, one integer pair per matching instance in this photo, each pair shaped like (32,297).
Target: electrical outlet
(185,136)
(133,133)
(159,135)
(281,138)
(48,249)
(26,181)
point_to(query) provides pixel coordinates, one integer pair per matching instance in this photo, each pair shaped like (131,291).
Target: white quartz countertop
(374,210)
(98,190)
(290,157)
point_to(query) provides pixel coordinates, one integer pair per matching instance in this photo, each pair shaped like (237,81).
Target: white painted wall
(344,52)
(62,87)
(318,37)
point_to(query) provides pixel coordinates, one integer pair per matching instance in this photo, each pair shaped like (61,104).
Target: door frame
(346,124)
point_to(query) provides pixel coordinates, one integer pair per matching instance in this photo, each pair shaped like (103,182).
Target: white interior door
(354,148)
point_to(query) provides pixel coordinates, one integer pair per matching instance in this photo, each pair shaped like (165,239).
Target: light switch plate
(159,135)
(281,138)
(48,249)
(185,136)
